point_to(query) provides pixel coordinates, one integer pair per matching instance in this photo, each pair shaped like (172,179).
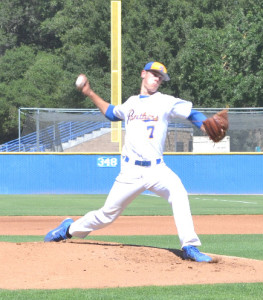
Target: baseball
(80,82)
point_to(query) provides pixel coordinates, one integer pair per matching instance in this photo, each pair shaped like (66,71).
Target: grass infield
(221,244)
(242,291)
(144,205)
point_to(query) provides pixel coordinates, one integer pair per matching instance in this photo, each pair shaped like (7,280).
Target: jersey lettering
(143,116)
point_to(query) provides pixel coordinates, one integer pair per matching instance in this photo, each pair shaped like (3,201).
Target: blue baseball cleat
(191,252)
(59,233)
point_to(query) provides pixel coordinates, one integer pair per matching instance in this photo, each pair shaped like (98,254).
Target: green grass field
(249,246)
(144,205)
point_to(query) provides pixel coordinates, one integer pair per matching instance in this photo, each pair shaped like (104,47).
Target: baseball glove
(217,125)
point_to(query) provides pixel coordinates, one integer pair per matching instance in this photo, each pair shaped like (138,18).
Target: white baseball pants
(131,182)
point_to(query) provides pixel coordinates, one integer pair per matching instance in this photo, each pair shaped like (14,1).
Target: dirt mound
(91,264)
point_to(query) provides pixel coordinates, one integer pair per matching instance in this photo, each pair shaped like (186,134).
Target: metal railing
(92,120)
(61,132)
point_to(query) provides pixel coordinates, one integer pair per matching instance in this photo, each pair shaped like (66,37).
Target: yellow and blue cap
(158,67)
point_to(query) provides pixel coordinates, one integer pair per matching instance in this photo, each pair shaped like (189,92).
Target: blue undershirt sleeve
(110,115)
(197,118)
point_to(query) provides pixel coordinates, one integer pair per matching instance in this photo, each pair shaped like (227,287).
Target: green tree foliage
(212,49)
(83,27)
(20,23)
(14,65)
(224,66)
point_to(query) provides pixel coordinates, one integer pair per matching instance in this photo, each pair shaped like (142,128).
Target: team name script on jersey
(143,116)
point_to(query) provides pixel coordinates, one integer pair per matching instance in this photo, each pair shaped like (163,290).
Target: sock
(69,236)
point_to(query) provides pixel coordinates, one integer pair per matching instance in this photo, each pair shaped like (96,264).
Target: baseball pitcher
(143,168)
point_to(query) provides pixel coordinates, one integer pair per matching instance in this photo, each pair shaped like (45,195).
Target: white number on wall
(107,162)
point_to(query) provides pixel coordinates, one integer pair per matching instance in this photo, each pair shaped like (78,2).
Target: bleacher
(56,130)
(54,136)
(60,135)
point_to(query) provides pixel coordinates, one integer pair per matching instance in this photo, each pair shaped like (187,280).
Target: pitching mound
(87,264)
(91,264)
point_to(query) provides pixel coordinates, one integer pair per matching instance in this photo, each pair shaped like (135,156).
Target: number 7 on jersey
(151,128)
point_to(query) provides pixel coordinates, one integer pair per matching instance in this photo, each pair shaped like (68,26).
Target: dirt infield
(91,264)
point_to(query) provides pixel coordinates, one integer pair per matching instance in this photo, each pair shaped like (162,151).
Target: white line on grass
(151,195)
(220,200)
(223,200)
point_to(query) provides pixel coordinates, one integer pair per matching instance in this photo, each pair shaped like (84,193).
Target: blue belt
(143,163)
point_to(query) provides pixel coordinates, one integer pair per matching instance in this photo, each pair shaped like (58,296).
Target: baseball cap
(158,67)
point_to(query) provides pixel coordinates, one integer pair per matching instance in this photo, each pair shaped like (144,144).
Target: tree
(212,49)
(21,23)
(83,27)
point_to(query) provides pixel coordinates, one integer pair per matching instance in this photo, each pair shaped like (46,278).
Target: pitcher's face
(151,81)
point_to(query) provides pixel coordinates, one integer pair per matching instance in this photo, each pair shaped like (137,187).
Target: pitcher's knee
(108,216)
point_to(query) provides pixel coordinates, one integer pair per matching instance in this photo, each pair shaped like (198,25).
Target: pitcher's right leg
(119,197)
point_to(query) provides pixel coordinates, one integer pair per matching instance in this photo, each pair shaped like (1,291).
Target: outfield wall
(82,173)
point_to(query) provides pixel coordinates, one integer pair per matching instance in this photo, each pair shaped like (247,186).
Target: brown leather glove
(217,125)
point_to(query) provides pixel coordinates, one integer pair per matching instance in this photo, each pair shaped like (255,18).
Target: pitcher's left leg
(171,188)
(183,219)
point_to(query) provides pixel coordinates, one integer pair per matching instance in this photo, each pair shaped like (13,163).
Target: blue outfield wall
(82,173)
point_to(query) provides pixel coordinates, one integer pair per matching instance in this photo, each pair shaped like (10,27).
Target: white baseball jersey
(146,122)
